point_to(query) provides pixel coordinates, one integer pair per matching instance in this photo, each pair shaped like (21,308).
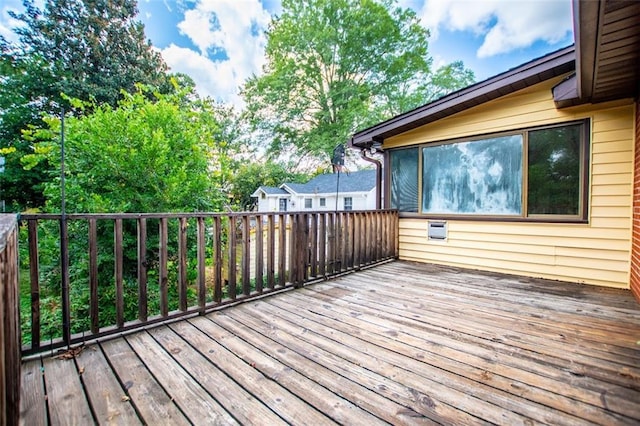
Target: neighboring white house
(356,192)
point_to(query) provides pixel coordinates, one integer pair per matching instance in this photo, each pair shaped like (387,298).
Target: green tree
(159,155)
(20,88)
(94,48)
(87,49)
(144,156)
(334,66)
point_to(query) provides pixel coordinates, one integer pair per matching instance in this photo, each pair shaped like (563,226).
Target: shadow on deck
(399,343)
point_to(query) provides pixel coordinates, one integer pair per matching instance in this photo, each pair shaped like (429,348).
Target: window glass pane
(348,203)
(404,179)
(323,202)
(554,171)
(475,177)
(308,203)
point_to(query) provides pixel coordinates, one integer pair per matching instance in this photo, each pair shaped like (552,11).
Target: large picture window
(478,177)
(534,174)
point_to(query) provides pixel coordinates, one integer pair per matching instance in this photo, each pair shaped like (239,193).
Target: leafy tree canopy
(93,48)
(87,49)
(334,66)
(144,156)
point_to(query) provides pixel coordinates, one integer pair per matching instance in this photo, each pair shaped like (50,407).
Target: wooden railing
(97,274)
(9,322)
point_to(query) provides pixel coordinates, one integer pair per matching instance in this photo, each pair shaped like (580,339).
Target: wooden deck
(400,343)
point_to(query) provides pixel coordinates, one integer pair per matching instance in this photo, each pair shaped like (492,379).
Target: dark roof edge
(532,72)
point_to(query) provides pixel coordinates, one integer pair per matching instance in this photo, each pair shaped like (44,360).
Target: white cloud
(7,23)
(505,25)
(227,25)
(214,79)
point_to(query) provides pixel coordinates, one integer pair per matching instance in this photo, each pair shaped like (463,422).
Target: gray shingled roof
(360,181)
(272,190)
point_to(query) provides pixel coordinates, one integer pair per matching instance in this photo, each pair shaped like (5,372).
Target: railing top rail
(7,223)
(57,216)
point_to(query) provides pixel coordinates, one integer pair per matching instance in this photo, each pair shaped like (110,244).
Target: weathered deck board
(32,397)
(109,403)
(400,343)
(152,402)
(64,387)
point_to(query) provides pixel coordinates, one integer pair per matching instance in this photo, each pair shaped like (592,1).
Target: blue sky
(220,43)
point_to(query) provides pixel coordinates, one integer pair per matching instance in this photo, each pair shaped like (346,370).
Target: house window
(535,173)
(323,202)
(308,203)
(282,204)
(404,179)
(554,179)
(348,203)
(473,177)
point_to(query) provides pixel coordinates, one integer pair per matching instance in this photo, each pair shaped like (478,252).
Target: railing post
(9,322)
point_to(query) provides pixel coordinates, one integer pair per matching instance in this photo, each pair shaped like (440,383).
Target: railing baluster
(322,246)
(64,270)
(118,273)
(93,276)
(331,244)
(246,255)
(231,237)
(304,249)
(182,263)
(163,272)
(271,250)
(259,254)
(378,231)
(202,282)
(34,275)
(217,249)
(313,244)
(356,240)
(142,270)
(396,235)
(293,242)
(282,245)
(345,240)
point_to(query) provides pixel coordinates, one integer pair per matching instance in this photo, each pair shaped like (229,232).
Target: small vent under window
(437,230)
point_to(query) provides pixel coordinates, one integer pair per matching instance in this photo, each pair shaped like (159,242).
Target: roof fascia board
(585,14)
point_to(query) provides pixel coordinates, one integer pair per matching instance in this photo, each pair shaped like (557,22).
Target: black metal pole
(64,246)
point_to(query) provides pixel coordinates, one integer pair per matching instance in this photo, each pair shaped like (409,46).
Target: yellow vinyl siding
(596,253)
